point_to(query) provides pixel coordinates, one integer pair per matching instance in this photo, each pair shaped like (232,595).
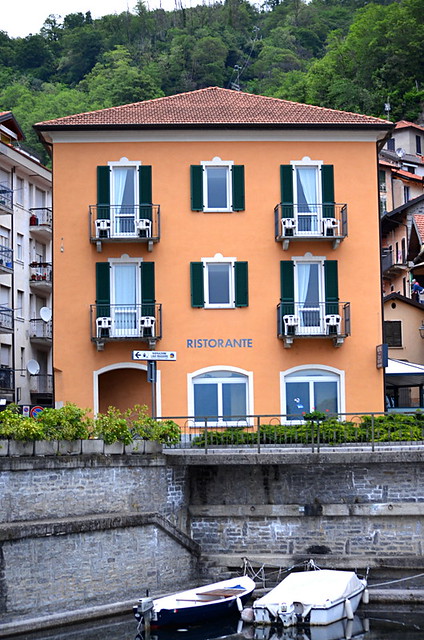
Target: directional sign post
(152,357)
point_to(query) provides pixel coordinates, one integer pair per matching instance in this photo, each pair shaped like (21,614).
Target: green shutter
(196,183)
(287,287)
(196,284)
(103,193)
(237,175)
(331,286)
(147,276)
(286,180)
(327,186)
(102,289)
(145,191)
(241,284)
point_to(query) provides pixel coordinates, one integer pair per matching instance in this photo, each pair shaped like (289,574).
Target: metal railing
(41,383)
(40,329)
(126,322)
(264,433)
(7,379)
(322,319)
(41,272)
(125,222)
(323,220)
(6,197)
(6,319)
(389,259)
(6,257)
(40,216)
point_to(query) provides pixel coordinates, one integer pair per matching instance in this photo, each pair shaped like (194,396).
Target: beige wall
(412,318)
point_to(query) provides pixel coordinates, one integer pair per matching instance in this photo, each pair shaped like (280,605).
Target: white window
(19,247)
(221,395)
(4,237)
(217,187)
(5,355)
(307,195)
(20,311)
(19,191)
(126,297)
(313,388)
(124,196)
(309,294)
(219,282)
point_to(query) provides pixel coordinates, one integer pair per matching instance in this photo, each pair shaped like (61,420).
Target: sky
(19,18)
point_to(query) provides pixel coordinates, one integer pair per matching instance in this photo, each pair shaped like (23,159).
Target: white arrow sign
(154,355)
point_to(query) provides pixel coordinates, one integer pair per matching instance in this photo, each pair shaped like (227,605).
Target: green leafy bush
(144,427)
(113,426)
(66,423)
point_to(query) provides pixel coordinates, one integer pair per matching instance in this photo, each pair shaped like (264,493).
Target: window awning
(404,374)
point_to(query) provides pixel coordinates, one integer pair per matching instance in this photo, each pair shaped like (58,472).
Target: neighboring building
(25,272)
(239,231)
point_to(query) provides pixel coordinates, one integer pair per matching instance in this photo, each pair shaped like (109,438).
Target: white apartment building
(25,272)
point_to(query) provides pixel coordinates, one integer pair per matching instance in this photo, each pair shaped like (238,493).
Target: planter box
(69,447)
(152,446)
(135,447)
(92,446)
(116,448)
(46,447)
(21,448)
(4,447)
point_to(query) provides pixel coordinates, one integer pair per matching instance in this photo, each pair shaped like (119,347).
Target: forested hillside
(345,54)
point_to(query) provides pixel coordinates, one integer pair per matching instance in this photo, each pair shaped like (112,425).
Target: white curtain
(125,296)
(306,188)
(119,180)
(303,275)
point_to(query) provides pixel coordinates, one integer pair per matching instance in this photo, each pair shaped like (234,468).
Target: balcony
(6,319)
(41,276)
(6,259)
(40,223)
(125,223)
(41,384)
(329,320)
(310,222)
(113,322)
(393,262)
(40,332)
(7,380)
(6,199)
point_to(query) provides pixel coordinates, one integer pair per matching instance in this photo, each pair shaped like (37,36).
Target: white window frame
(217,162)
(219,259)
(123,163)
(310,259)
(248,375)
(307,163)
(125,259)
(333,373)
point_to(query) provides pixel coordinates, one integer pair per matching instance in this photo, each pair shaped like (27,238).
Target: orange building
(238,231)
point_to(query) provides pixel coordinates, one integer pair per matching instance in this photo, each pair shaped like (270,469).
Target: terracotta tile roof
(408,176)
(403,124)
(419,223)
(214,107)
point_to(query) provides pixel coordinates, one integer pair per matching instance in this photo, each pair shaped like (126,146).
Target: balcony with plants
(117,322)
(40,223)
(125,223)
(41,276)
(326,320)
(320,221)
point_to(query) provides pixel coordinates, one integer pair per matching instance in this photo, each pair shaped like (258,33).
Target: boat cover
(320,587)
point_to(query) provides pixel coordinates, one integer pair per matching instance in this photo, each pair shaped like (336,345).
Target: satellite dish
(400,152)
(33,367)
(45,314)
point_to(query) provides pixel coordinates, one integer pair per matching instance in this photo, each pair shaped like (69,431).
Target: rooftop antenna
(387,109)
(236,85)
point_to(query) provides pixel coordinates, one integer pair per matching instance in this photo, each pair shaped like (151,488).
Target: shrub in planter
(66,423)
(113,426)
(147,428)
(15,426)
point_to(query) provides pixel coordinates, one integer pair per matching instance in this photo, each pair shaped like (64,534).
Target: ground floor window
(222,395)
(311,389)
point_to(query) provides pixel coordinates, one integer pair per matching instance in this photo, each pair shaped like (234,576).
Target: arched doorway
(123,385)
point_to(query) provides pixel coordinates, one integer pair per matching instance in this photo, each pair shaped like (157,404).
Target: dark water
(377,625)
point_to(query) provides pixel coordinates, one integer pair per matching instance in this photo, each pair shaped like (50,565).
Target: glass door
(124,200)
(125,296)
(307,199)
(309,298)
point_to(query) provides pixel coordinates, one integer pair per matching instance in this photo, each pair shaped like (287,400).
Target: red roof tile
(214,107)
(404,124)
(419,223)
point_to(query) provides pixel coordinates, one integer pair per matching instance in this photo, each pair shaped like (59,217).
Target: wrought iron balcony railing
(41,274)
(7,379)
(6,259)
(124,223)
(313,320)
(6,197)
(40,330)
(41,383)
(392,261)
(324,221)
(40,217)
(126,322)
(6,319)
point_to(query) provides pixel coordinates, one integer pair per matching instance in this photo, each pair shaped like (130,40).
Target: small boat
(195,606)
(355,629)
(318,597)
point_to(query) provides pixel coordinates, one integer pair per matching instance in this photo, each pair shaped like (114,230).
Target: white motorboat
(318,597)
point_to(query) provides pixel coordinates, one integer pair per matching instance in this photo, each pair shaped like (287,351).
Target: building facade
(25,272)
(241,233)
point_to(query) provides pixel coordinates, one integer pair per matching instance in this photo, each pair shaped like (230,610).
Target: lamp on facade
(421,330)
